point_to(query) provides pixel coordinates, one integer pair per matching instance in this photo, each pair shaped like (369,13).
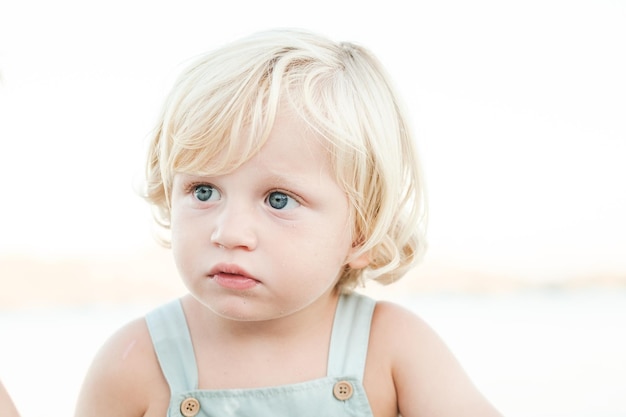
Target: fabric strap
(350,336)
(172,343)
(348,345)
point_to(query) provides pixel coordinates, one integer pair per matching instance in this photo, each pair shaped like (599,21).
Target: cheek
(177,241)
(184,238)
(185,226)
(330,245)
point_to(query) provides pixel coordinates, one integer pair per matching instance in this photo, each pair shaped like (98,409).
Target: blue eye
(279,201)
(205,193)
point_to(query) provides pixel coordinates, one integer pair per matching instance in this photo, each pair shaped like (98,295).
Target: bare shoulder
(390,320)
(124,376)
(427,378)
(404,335)
(7,407)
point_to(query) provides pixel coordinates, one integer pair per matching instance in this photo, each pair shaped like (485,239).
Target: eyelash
(295,198)
(191,187)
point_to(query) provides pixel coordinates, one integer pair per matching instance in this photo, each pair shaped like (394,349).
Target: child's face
(269,238)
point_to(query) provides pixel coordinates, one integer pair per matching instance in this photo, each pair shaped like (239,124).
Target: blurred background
(519,110)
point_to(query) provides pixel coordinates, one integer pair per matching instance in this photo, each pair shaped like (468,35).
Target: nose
(234,229)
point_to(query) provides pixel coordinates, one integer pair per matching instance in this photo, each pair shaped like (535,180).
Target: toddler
(283,174)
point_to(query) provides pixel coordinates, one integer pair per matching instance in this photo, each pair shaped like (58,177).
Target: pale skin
(260,250)
(7,407)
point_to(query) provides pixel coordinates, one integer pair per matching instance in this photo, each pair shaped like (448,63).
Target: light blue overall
(340,393)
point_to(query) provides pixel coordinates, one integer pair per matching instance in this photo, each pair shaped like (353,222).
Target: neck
(312,319)
(236,354)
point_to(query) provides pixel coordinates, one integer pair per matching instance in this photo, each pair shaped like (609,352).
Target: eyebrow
(285,180)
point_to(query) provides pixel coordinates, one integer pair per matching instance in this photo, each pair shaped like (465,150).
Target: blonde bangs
(222,126)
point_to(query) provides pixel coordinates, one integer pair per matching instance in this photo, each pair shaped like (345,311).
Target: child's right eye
(205,193)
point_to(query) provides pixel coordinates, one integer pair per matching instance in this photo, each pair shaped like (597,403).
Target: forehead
(293,145)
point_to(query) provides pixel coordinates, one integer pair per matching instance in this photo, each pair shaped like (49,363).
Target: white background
(519,109)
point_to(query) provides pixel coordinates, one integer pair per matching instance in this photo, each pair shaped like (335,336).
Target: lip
(232,277)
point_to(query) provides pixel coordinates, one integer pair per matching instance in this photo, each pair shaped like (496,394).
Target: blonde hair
(221,109)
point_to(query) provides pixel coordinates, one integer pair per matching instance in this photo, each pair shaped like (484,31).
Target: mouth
(232,277)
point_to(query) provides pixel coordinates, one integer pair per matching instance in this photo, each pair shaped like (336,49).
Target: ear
(360,261)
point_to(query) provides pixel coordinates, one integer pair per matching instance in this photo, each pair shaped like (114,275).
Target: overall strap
(172,344)
(350,336)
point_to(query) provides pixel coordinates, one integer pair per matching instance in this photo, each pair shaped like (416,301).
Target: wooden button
(343,390)
(189,407)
